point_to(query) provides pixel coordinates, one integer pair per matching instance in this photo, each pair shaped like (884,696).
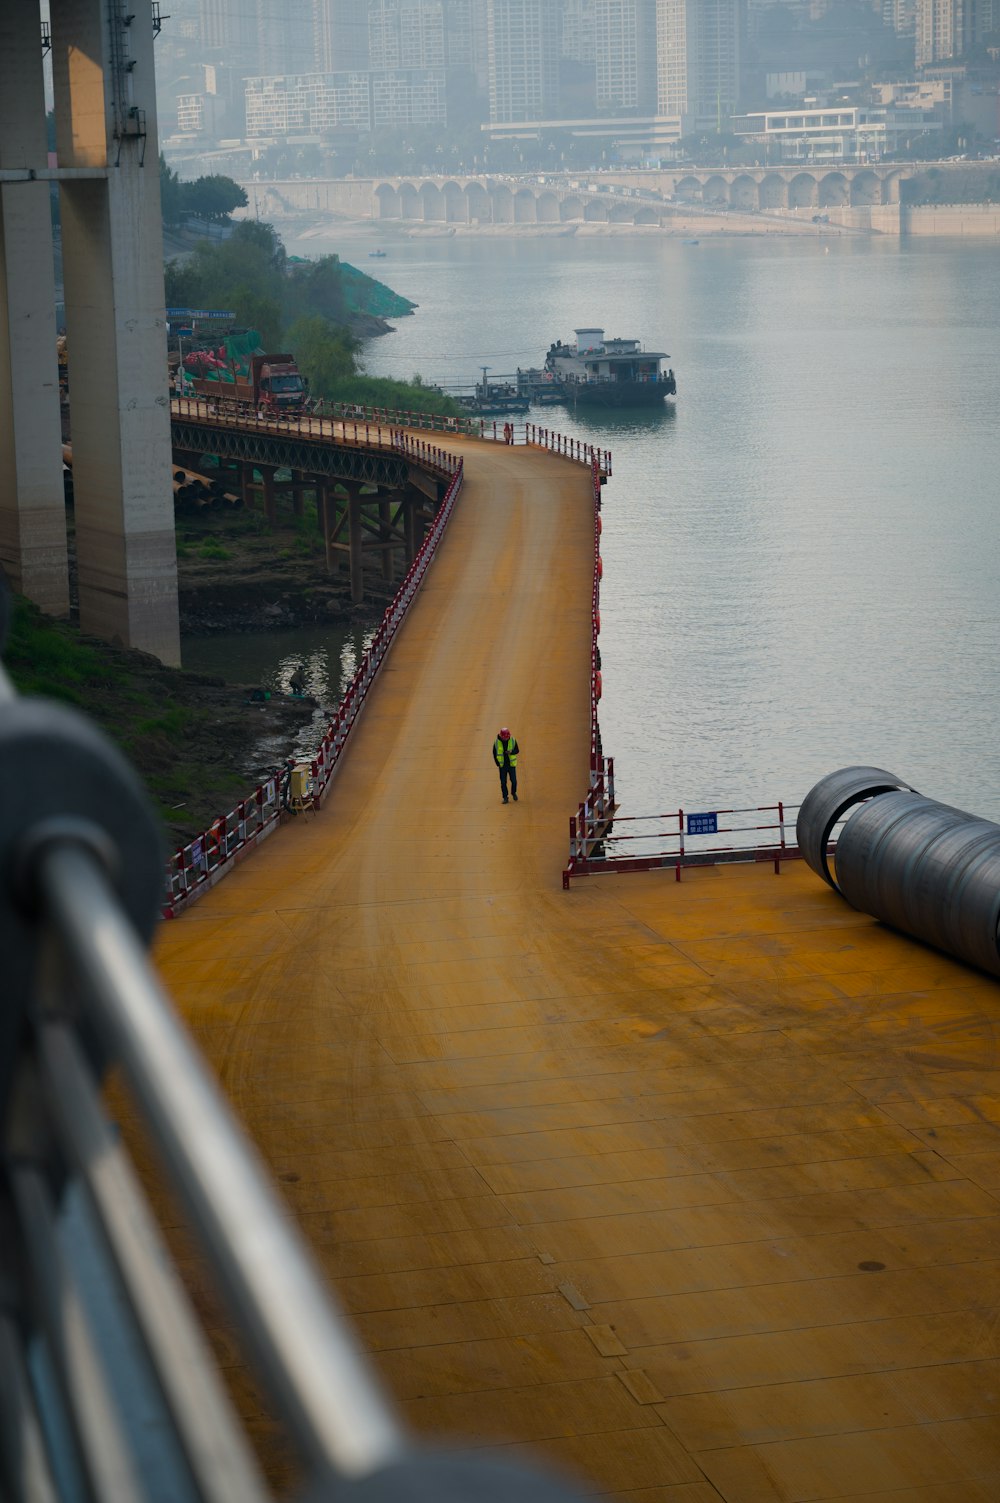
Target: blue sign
(703,824)
(198,313)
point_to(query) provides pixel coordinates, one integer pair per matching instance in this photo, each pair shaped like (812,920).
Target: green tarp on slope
(363,294)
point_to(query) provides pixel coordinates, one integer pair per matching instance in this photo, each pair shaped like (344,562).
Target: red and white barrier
(195,868)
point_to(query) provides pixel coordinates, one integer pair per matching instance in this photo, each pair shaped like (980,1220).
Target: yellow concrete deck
(690,1188)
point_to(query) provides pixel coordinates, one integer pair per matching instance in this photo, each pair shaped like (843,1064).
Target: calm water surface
(801,569)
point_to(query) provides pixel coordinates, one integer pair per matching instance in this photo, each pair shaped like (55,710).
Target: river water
(800,564)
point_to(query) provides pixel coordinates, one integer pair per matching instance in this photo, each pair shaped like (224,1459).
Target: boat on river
(599,372)
(494,399)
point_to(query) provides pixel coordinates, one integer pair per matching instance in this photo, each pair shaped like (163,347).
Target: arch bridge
(632,198)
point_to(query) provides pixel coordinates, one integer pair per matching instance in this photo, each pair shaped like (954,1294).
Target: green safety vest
(500,748)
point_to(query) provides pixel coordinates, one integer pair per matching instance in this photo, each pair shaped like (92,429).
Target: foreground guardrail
(108,1389)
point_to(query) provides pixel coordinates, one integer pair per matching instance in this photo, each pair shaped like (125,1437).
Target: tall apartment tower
(285,40)
(341,36)
(698,60)
(522,42)
(900,16)
(465,24)
(948,28)
(625,55)
(578,30)
(407,34)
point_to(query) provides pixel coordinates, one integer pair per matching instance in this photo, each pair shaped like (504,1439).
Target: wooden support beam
(386,538)
(270,499)
(354,529)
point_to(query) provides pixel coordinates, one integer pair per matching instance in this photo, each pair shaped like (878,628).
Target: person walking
(505,751)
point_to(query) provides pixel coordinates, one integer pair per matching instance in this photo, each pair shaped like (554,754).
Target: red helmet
(505,732)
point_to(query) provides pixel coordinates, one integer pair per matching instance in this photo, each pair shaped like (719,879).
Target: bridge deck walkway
(692,1187)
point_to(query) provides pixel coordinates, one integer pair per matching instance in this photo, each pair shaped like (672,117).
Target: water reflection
(325,657)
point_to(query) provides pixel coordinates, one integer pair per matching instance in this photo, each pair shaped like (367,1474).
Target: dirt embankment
(192,737)
(187,734)
(236,572)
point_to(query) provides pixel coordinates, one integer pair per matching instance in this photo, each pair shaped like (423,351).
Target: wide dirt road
(689,1186)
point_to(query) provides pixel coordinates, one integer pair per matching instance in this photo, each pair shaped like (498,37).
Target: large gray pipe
(923,867)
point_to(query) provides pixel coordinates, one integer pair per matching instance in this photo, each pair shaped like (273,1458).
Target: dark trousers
(505,773)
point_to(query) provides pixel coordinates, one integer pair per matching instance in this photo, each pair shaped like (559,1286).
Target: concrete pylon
(32,506)
(105,108)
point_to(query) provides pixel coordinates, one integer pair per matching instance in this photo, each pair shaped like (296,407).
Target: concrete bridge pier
(105,115)
(32,508)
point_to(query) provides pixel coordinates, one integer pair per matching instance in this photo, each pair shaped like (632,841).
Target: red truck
(273,386)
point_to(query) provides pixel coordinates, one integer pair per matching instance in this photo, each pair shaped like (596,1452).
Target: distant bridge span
(610,198)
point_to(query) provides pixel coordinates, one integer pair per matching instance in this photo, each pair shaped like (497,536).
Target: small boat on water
(377,252)
(494,399)
(599,372)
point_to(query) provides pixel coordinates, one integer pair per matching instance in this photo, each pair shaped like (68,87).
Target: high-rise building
(465,37)
(578,30)
(698,60)
(900,16)
(285,42)
(406,34)
(522,41)
(625,55)
(341,34)
(949,28)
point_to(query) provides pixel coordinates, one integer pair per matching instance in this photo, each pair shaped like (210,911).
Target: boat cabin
(596,359)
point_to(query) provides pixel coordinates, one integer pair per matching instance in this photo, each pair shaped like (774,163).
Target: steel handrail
(95,1325)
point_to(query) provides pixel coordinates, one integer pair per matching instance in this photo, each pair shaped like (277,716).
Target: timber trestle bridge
(687,1189)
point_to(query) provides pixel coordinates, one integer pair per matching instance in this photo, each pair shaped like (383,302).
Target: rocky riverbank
(199,742)
(191,737)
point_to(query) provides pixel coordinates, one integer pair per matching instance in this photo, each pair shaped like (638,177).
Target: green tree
(171,194)
(213,198)
(325,353)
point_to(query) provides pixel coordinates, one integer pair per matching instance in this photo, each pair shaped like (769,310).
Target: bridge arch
(410,206)
(803,192)
(833,191)
(743,192)
(715,190)
(525,207)
(866,189)
(503,204)
(595,211)
(387,201)
(547,208)
(571,207)
(646,216)
(773,191)
(456,205)
(688,187)
(621,211)
(432,200)
(480,206)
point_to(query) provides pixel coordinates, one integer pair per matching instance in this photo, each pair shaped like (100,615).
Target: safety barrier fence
(355,430)
(331,748)
(109,1391)
(201,863)
(381,427)
(680,838)
(599,804)
(572,448)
